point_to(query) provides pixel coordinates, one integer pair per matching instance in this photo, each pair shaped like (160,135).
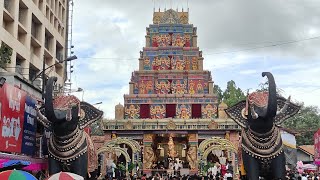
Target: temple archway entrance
(109,154)
(219,150)
(121,151)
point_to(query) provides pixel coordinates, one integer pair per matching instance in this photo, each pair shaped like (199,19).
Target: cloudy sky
(239,40)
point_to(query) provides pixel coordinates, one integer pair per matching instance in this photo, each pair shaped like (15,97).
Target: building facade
(33,33)
(36,31)
(171,114)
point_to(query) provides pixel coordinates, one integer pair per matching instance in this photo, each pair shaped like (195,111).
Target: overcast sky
(108,35)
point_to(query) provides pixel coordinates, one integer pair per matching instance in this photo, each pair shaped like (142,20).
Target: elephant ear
(88,114)
(237,113)
(291,110)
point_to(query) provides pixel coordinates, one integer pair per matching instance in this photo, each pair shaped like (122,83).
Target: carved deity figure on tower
(148,157)
(192,157)
(171,151)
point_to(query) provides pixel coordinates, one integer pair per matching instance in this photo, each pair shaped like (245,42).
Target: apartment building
(37,33)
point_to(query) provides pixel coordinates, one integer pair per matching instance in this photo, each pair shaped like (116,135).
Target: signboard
(317,147)
(12,116)
(17,120)
(29,127)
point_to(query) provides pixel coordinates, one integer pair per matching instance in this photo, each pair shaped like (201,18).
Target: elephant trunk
(272,98)
(48,99)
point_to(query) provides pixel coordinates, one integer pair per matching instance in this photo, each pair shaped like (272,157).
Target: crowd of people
(294,175)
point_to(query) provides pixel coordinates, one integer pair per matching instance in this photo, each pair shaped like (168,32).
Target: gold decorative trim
(171,125)
(213,125)
(128,125)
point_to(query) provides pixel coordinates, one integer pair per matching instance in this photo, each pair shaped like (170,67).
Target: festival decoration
(16,175)
(65,176)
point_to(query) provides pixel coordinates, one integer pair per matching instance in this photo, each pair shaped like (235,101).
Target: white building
(37,32)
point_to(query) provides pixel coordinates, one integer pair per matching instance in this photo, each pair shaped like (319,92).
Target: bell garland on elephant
(70,147)
(260,116)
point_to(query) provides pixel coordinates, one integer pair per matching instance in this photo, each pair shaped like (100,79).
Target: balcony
(170,124)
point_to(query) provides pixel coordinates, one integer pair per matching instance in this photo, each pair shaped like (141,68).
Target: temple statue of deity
(171,151)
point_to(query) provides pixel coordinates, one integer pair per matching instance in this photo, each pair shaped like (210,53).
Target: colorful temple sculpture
(171,113)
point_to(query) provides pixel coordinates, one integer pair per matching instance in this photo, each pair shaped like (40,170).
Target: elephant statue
(70,147)
(259,117)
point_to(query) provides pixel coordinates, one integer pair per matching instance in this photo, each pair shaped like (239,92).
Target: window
(144,111)
(170,110)
(196,111)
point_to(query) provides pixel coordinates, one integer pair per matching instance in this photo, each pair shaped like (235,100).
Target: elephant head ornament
(259,116)
(69,145)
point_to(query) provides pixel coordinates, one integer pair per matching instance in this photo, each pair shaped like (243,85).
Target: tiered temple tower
(171,82)
(171,112)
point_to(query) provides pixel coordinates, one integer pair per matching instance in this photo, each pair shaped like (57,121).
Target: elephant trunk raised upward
(263,107)
(69,146)
(272,97)
(49,111)
(262,148)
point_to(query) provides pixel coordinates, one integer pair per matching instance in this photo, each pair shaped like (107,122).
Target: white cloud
(108,39)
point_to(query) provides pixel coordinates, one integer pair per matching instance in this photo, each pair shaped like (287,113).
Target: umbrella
(16,175)
(65,176)
(13,164)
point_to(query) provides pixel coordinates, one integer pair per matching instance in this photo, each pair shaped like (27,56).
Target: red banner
(317,147)
(12,117)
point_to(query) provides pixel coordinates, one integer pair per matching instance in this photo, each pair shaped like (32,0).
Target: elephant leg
(251,165)
(80,166)
(54,166)
(278,167)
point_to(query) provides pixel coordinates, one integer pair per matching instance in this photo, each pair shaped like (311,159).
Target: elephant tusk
(253,113)
(285,107)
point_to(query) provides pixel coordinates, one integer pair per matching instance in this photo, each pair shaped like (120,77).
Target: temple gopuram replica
(171,113)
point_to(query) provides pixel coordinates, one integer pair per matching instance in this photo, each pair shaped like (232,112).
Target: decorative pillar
(148,157)
(140,64)
(234,138)
(147,40)
(131,87)
(194,38)
(210,84)
(192,154)
(200,63)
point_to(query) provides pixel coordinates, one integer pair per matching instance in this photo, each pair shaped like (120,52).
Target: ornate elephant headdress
(87,113)
(239,111)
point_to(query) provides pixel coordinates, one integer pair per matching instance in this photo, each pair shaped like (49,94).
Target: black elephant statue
(70,147)
(259,116)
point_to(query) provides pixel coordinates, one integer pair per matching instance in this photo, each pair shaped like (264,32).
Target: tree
(233,94)
(217,90)
(306,123)
(5,55)
(265,87)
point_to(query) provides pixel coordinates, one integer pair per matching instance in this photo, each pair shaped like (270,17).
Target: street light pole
(43,78)
(42,73)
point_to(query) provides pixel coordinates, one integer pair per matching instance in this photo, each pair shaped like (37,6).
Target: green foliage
(96,128)
(5,55)
(207,166)
(305,123)
(217,90)
(122,167)
(265,87)
(130,167)
(233,94)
